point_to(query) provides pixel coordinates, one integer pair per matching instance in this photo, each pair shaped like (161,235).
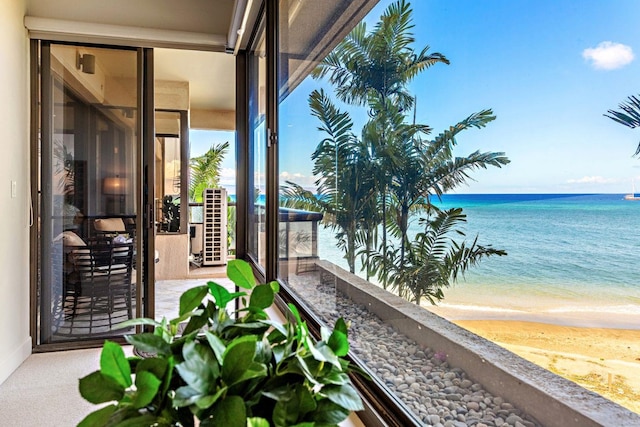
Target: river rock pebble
(437,394)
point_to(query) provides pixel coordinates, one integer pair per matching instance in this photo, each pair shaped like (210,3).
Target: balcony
(442,373)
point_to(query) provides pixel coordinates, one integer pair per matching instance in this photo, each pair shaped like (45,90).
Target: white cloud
(305,181)
(592,180)
(228,173)
(608,55)
(228,177)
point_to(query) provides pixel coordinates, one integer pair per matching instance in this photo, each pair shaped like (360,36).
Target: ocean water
(572,259)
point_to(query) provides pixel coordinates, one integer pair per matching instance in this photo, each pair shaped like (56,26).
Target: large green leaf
(261,297)
(217,346)
(241,274)
(98,418)
(205,402)
(329,412)
(298,365)
(256,370)
(323,353)
(293,403)
(238,358)
(147,386)
(286,411)
(192,298)
(345,396)
(186,395)
(221,295)
(196,323)
(341,326)
(200,368)
(275,286)
(257,422)
(338,341)
(306,402)
(99,388)
(185,316)
(335,377)
(154,365)
(149,343)
(229,412)
(114,364)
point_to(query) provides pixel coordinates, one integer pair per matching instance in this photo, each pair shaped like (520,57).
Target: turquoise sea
(572,259)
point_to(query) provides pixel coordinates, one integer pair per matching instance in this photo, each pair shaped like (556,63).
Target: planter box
(551,399)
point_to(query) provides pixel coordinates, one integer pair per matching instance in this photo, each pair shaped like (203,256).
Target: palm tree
(422,169)
(629,116)
(391,172)
(434,260)
(379,64)
(205,171)
(374,69)
(344,188)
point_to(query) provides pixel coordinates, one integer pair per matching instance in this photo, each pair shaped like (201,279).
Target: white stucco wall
(15,341)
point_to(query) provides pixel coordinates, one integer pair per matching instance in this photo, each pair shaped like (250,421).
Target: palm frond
(629,116)
(205,170)
(463,257)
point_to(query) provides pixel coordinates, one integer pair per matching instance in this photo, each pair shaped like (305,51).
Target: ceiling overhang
(120,35)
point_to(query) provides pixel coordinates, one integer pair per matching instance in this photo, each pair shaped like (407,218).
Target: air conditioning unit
(214,246)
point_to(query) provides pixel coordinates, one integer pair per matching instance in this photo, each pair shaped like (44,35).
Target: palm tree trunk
(404,225)
(369,240)
(384,236)
(351,243)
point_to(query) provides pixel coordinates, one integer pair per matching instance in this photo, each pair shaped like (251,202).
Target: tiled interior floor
(44,389)
(168,291)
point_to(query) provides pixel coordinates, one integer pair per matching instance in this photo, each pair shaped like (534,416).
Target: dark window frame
(381,408)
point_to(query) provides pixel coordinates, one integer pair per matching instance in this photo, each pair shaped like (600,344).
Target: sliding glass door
(89,191)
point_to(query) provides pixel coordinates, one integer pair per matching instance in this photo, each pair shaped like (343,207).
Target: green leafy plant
(226,367)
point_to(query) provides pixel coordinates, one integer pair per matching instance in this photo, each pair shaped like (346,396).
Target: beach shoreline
(577,317)
(605,360)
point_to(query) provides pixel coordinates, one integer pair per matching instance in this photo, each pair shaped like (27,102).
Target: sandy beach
(604,360)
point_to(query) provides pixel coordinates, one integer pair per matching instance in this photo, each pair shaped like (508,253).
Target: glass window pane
(168,171)
(258,144)
(377,163)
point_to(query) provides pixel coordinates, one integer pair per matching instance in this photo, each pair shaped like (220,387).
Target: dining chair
(101,277)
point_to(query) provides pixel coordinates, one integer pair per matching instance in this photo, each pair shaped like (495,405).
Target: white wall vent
(214,248)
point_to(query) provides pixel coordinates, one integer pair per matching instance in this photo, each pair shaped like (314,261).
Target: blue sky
(202,140)
(529,62)
(548,69)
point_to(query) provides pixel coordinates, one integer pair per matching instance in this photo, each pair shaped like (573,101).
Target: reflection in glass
(168,171)
(88,187)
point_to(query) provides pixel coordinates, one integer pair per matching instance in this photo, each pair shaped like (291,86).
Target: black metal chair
(101,280)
